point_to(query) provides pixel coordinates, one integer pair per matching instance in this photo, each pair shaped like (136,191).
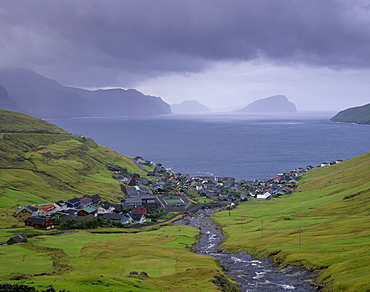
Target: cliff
(42,97)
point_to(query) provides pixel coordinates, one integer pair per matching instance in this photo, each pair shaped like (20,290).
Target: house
(135,201)
(264,197)
(17,238)
(124,219)
(74,203)
(60,205)
(86,201)
(143,181)
(39,223)
(71,212)
(46,210)
(24,212)
(136,217)
(158,188)
(140,210)
(148,199)
(96,199)
(87,211)
(136,191)
(106,208)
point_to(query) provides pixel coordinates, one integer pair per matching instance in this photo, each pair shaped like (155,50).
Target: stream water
(253,275)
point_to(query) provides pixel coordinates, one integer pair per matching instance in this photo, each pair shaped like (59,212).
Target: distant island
(357,115)
(272,104)
(28,92)
(189,106)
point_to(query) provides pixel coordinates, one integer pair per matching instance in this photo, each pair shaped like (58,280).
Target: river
(253,275)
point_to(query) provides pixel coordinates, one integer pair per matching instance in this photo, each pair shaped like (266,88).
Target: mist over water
(245,147)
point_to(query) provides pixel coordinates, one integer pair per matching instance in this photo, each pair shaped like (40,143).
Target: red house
(39,223)
(141,211)
(87,211)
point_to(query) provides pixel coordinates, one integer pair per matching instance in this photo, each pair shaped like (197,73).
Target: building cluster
(159,190)
(44,216)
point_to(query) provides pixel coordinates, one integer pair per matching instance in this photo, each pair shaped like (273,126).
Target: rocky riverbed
(253,275)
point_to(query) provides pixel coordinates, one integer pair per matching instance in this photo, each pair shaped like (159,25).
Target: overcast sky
(222,53)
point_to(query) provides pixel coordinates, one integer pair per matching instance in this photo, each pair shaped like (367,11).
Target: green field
(173,201)
(323,225)
(86,261)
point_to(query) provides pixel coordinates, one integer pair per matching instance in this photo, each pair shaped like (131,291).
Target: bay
(227,144)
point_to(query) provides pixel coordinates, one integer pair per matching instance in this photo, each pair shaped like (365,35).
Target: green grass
(41,163)
(104,261)
(324,225)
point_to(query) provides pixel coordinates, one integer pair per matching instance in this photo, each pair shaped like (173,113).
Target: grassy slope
(41,163)
(359,115)
(102,262)
(324,225)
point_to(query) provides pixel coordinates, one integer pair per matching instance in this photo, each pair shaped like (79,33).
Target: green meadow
(87,261)
(323,225)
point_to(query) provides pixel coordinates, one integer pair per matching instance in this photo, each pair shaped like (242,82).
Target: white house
(264,197)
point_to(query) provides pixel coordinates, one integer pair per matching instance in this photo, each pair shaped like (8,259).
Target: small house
(263,197)
(87,211)
(46,210)
(39,223)
(17,238)
(136,217)
(24,212)
(86,201)
(74,203)
(96,199)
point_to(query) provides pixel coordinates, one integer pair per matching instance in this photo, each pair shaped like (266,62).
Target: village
(152,198)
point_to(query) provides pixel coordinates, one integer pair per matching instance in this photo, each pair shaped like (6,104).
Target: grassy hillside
(41,163)
(358,115)
(324,225)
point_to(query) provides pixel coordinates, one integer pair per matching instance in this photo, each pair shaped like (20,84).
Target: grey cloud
(132,38)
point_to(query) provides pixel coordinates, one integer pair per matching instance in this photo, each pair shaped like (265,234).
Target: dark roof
(135,215)
(19,238)
(95,197)
(107,205)
(112,216)
(60,203)
(74,200)
(36,220)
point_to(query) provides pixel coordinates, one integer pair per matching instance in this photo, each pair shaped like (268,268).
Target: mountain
(357,115)
(189,106)
(272,104)
(42,97)
(6,102)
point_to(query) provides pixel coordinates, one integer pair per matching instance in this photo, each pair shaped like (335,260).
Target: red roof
(140,210)
(86,200)
(48,208)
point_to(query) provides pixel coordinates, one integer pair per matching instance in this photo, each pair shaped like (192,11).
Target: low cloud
(106,41)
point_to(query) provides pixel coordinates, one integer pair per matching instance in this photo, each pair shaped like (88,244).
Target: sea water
(238,145)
